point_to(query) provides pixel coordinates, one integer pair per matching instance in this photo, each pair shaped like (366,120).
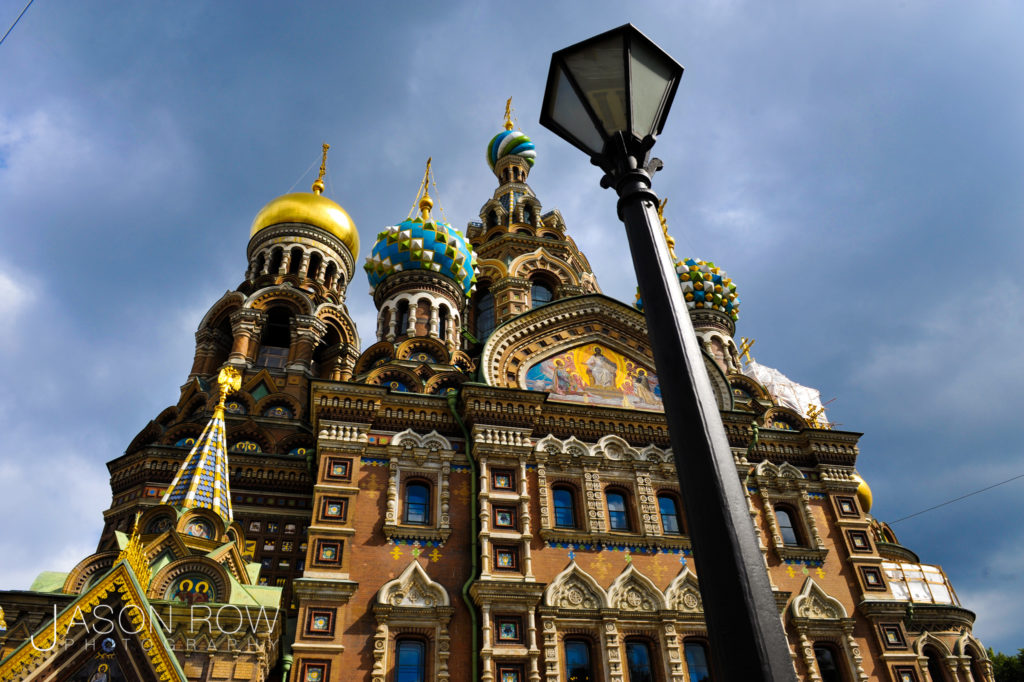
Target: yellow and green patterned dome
(705,287)
(423,243)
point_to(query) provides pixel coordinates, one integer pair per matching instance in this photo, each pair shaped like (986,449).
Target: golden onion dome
(863,493)
(311,209)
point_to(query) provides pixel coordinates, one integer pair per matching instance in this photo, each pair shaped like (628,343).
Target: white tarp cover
(786,392)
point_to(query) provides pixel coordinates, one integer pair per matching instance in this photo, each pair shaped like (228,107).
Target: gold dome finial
(318,186)
(664,227)
(508,114)
(228,381)
(426,203)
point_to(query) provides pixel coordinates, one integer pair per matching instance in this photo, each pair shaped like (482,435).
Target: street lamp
(609,96)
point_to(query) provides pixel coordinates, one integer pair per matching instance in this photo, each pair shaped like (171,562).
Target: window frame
(652,667)
(705,651)
(837,659)
(794,525)
(626,515)
(571,491)
(588,647)
(680,526)
(425,667)
(406,506)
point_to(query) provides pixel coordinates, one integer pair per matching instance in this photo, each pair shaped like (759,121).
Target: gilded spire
(664,228)
(318,186)
(508,114)
(202,480)
(426,203)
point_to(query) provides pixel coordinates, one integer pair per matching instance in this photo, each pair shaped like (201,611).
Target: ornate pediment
(574,588)
(633,591)
(683,593)
(813,603)
(413,589)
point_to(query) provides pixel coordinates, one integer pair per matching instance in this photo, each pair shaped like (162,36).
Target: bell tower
(526,257)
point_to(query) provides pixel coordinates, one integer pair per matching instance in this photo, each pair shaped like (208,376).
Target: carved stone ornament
(683,594)
(413,588)
(633,591)
(574,588)
(815,604)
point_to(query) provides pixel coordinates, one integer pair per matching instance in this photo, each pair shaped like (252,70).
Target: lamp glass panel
(652,77)
(567,111)
(600,71)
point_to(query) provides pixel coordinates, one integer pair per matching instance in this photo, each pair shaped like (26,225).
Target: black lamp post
(609,96)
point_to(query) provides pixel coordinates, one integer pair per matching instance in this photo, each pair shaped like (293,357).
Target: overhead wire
(957,499)
(16,21)
(304,174)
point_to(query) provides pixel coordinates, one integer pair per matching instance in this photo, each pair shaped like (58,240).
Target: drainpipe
(474,539)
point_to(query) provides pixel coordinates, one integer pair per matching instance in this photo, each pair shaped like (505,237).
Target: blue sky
(856,167)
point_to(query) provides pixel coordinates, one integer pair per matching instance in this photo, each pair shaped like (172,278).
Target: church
(479,488)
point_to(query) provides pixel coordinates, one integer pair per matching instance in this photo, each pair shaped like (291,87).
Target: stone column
(247,328)
(306,334)
(432,329)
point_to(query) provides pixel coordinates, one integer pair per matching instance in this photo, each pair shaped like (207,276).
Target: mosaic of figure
(595,374)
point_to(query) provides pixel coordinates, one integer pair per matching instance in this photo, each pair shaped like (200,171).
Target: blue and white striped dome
(509,143)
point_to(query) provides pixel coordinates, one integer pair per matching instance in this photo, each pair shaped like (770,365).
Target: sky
(855,167)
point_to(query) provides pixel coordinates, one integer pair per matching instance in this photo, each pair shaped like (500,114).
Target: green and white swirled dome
(423,243)
(510,143)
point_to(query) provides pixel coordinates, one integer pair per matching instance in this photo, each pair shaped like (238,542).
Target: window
(669,515)
(697,662)
(505,517)
(826,657)
(577,661)
(527,215)
(509,629)
(565,509)
(540,294)
(410,661)
(501,479)
(618,518)
(442,323)
(403,318)
(417,503)
(484,315)
(638,661)
(506,558)
(787,528)
(935,667)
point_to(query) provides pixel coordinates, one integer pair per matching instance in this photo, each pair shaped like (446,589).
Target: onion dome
(706,286)
(510,143)
(310,209)
(423,243)
(864,495)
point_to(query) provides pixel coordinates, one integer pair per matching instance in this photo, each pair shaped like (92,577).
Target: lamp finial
(508,114)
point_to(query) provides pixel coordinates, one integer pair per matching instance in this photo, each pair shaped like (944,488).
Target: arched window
(403,318)
(565,507)
(329,273)
(417,503)
(275,260)
(787,526)
(277,337)
(577,661)
(618,517)
(638,661)
(540,294)
(936,668)
(410,660)
(697,666)
(669,511)
(492,218)
(295,262)
(261,260)
(484,315)
(442,323)
(528,214)
(828,663)
(314,266)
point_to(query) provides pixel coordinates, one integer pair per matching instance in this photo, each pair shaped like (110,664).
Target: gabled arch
(286,295)
(409,439)
(215,521)
(164,580)
(384,375)
(634,591)
(413,589)
(281,399)
(813,603)
(442,383)
(410,347)
(786,415)
(87,570)
(228,303)
(652,453)
(528,263)
(928,639)
(336,316)
(683,593)
(614,447)
(250,430)
(769,471)
(574,588)
(372,357)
